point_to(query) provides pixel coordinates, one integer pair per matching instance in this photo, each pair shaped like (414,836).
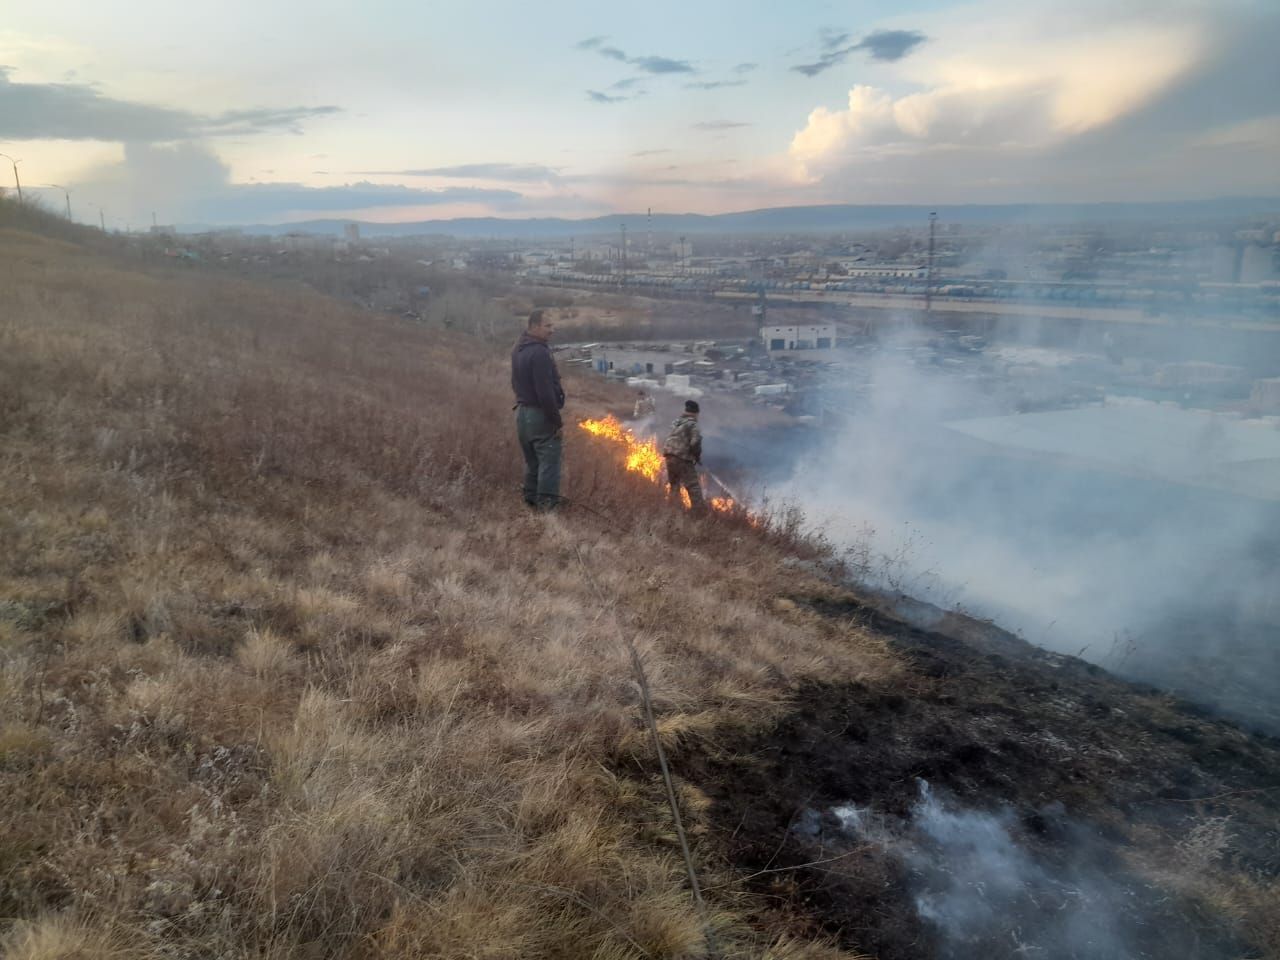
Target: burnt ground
(1092,775)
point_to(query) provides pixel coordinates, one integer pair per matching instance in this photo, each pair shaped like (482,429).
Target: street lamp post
(16,182)
(66,193)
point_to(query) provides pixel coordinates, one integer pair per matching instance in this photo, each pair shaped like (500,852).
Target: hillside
(286,670)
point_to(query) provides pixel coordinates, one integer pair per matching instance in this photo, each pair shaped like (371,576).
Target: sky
(282,111)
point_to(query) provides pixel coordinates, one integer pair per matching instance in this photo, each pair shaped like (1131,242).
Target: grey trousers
(540,443)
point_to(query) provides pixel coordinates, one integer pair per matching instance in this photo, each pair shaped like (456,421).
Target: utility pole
(66,194)
(928,269)
(16,182)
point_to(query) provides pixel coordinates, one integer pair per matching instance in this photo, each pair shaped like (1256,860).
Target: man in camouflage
(644,406)
(683,453)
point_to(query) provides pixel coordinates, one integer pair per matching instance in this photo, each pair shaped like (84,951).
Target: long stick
(643,682)
(671,794)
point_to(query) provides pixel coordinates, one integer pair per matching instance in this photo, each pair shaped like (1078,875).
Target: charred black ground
(1084,762)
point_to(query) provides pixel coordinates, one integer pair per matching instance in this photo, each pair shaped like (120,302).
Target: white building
(781,339)
(884,271)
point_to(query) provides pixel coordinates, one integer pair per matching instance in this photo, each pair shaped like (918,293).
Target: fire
(644,457)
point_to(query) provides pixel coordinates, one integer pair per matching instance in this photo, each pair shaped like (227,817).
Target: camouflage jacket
(685,440)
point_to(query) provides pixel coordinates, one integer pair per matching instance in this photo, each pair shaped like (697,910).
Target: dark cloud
(825,62)
(745,67)
(507,172)
(662,65)
(66,111)
(187,182)
(884,45)
(77,111)
(719,124)
(713,84)
(649,64)
(890,44)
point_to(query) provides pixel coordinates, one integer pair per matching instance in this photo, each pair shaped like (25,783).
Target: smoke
(1107,530)
(989,889)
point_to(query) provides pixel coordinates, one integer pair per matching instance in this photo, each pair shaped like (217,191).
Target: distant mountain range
(816,219)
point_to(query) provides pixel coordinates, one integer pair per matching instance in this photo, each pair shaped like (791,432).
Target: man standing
(683,452)
(644,406)
(539,399)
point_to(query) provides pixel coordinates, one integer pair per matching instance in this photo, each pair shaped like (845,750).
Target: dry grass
(286,672)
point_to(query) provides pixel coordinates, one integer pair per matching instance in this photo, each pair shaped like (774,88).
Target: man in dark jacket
(539,400)
(683,452)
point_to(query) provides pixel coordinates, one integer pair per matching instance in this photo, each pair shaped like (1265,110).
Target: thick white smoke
(1165,581)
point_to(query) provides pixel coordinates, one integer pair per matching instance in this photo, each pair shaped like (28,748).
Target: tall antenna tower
(928,268)
(624,254)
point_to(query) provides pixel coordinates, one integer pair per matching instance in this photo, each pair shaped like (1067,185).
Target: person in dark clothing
(683,452)
(539,400)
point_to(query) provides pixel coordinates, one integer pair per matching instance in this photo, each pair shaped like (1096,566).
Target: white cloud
(1031,82)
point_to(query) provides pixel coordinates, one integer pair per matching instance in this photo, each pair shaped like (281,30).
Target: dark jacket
(535,379)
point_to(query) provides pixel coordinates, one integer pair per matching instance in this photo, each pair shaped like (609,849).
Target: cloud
(244,202)
(649,64)
(883,45)
(242,122)
(713,84)
(831,39)
(1020,101)
(187,182)
(625,84)
(662,65)
(77,111)
(890,45)
(719,124)
(595,96)
(504,172)
(651,153)
(746,67)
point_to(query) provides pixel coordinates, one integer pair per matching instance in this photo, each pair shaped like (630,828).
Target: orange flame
(644,457)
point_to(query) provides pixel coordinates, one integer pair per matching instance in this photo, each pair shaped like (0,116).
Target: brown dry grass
(286,672)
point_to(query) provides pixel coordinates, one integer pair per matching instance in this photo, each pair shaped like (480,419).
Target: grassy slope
(286,671)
